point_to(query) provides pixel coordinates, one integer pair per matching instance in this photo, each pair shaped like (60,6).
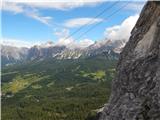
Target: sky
(25,23)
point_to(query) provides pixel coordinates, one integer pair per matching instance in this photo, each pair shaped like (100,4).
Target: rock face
(136,89)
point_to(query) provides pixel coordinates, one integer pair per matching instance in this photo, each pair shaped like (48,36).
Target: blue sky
(38,22)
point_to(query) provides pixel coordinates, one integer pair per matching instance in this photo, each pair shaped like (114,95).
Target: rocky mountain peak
(136,89)
(49,49)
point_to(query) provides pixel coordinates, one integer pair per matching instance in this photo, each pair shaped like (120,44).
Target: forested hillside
(56,89)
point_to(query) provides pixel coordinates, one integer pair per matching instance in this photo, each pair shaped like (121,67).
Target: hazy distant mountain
(109,47)
(38,52)
(105,46)
(12,54)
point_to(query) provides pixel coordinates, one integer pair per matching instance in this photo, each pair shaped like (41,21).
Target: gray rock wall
(136,89)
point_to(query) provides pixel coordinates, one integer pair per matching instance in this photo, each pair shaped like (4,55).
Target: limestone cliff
(136,89)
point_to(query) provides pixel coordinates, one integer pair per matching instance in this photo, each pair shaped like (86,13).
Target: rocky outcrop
(136,89)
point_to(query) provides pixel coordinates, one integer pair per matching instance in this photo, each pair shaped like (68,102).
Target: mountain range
(12,54)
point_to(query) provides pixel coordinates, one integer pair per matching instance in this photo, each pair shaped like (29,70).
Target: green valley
(53,89)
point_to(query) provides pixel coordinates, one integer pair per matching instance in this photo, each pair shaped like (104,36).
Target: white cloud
(20,43)
(72,44)
(61,33)
(29,12)
(123,30)
(77,22)
(65,42)
(43,19)
(64,38)
(31,8)
(12,7)
(85,43)
(15,42)
(135,6)
(56,4)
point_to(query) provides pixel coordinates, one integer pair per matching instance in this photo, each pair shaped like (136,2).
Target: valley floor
(56,90)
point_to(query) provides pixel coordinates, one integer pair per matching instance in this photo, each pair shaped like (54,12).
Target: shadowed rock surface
(136,89)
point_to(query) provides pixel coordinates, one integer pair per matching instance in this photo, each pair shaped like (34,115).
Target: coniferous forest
(56,89)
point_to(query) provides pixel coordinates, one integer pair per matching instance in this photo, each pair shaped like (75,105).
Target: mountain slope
(136,89)
(12,55)
(38,52)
